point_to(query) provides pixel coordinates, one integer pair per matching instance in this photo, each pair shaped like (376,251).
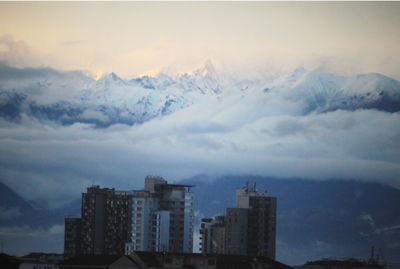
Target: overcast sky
(133,38)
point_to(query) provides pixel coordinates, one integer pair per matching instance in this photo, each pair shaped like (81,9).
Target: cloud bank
(57,162)
(23,239)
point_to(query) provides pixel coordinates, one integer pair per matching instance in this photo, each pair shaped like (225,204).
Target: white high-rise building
(150,225)
(162,217)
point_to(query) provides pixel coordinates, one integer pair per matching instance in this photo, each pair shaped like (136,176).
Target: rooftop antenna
(372,254)
(379,256)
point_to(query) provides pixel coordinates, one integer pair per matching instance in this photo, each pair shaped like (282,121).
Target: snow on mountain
(370,91)
(143,98)
(69,97)
(315,90)
(323,92)
(108,81)
(204,80)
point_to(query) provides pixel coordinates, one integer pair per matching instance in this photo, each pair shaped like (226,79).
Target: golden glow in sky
(133,38)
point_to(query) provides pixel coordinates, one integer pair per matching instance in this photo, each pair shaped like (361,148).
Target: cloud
(28,231)
(8,72)
(91,114)
(20,240)
(369,220)
(58,162)
(42,84)
(15,52)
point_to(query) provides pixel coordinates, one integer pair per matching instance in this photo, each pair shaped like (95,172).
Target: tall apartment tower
(163,217)
(150,226)
(158,218)
(105,225)
(253,221)
(249,228)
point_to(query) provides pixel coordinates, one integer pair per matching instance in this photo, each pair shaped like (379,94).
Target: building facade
(248,229)
(72,237)
(163,217)
(212,231)
(106,223)
(158,218)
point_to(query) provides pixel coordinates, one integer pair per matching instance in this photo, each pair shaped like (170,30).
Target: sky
(136,38)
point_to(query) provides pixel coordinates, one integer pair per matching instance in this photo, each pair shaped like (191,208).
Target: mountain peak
(111,76)
(208,69)
(110,79)
(299,71)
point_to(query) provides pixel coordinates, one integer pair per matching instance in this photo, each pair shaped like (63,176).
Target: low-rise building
(99,262)
(168,260)
(9,262)
(34,260)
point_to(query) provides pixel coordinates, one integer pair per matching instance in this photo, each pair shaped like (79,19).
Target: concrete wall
(236,231)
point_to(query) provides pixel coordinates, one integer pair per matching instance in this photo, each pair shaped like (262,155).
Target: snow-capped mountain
(325,92)
(144,98)
(204,80)
(69,97)
(108,81)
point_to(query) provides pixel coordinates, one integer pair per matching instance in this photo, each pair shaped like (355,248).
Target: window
(211,262)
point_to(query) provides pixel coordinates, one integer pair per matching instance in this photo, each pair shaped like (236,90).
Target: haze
(246,38)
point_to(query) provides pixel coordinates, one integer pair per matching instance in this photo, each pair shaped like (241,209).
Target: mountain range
(72,97)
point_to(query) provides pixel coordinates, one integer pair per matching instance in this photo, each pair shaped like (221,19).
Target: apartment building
(247,229)
(158,218)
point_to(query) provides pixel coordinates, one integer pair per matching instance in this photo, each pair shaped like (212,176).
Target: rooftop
(91,260)
(351,262)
